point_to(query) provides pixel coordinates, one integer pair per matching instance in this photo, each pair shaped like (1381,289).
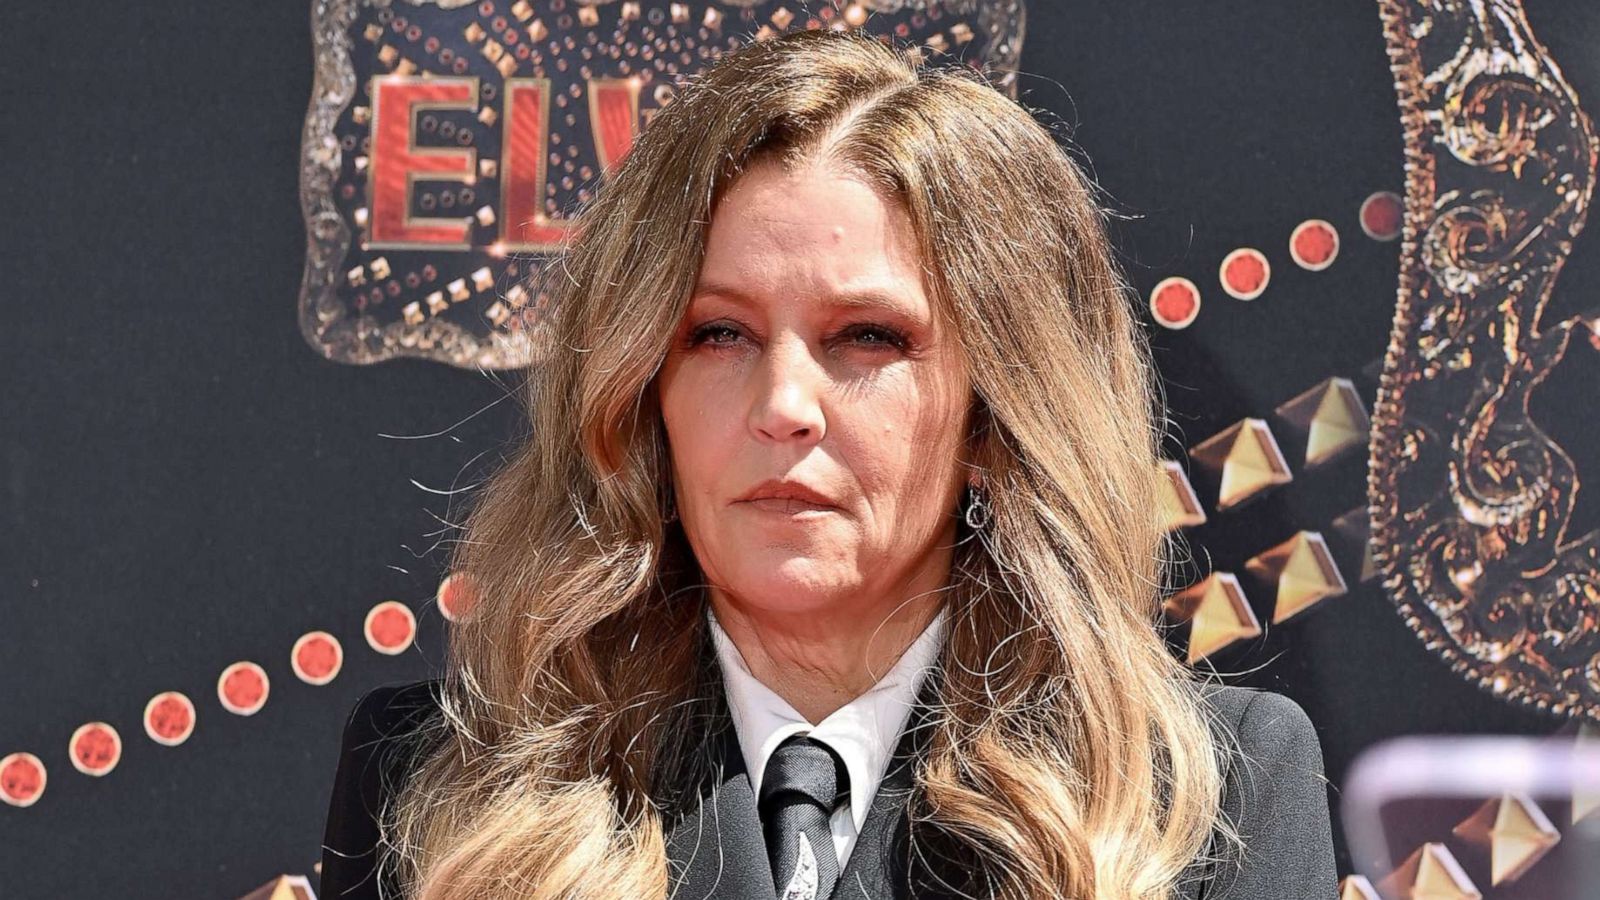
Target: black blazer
(1279,801)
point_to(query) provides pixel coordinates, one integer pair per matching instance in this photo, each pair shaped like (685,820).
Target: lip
(788,506)
(782,495)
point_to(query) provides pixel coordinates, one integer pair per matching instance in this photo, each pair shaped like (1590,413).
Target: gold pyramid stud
(1217,612)
(1248,456)
(1180,506)
(1357,887)
(1304,571)
(1430,873)
(284,887)
(1516,832)
(1332,417)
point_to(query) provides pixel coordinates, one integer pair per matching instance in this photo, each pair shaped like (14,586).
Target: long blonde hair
(1069,753)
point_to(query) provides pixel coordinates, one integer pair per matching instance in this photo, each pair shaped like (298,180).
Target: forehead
(817,232)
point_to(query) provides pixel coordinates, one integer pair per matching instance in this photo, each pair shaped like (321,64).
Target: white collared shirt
(864,732)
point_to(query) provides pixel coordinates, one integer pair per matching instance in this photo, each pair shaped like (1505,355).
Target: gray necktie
(804,782)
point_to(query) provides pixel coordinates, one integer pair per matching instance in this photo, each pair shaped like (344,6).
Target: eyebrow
(870,298)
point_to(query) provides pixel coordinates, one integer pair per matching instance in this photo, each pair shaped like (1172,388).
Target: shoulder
(1275,794)
(376,752)
(382,733)
(1266,735)
(391,711)
(1255,716)
(1266,724)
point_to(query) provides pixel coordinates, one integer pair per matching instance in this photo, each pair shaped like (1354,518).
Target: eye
(880,336)
(712,330)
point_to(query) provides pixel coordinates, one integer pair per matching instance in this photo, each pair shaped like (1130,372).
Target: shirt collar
(864,732)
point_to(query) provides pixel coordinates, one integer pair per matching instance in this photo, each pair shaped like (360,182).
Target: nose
(788,403)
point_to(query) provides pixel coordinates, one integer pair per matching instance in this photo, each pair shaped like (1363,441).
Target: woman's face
(810,353)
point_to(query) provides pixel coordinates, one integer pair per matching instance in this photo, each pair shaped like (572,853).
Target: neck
(818,661)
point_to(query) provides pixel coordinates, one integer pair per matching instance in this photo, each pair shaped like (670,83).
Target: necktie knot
(804,781)
(804,769)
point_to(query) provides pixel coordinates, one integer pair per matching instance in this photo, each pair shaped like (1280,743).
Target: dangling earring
(977,511)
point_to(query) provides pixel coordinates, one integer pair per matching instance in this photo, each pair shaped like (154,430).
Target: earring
(977,511)
(671,514)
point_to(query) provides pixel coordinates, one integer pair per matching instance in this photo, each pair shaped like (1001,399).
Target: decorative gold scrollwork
(1470,500)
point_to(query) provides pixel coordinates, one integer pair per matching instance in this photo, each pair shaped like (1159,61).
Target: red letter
(613,112)
(397,162)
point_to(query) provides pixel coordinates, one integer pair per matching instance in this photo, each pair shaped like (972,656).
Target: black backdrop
(187,484)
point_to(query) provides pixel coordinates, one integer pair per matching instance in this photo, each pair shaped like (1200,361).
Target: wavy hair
(1068,752)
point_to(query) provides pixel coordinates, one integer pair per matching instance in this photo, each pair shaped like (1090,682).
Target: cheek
(935,409)
(897,439)
(698,428)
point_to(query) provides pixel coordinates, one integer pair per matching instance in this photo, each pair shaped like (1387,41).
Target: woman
(831,564)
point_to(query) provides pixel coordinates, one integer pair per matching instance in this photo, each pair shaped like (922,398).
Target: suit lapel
(878,863)
(876,867)
(716,848)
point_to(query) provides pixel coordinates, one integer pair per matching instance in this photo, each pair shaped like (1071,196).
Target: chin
(780,581)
